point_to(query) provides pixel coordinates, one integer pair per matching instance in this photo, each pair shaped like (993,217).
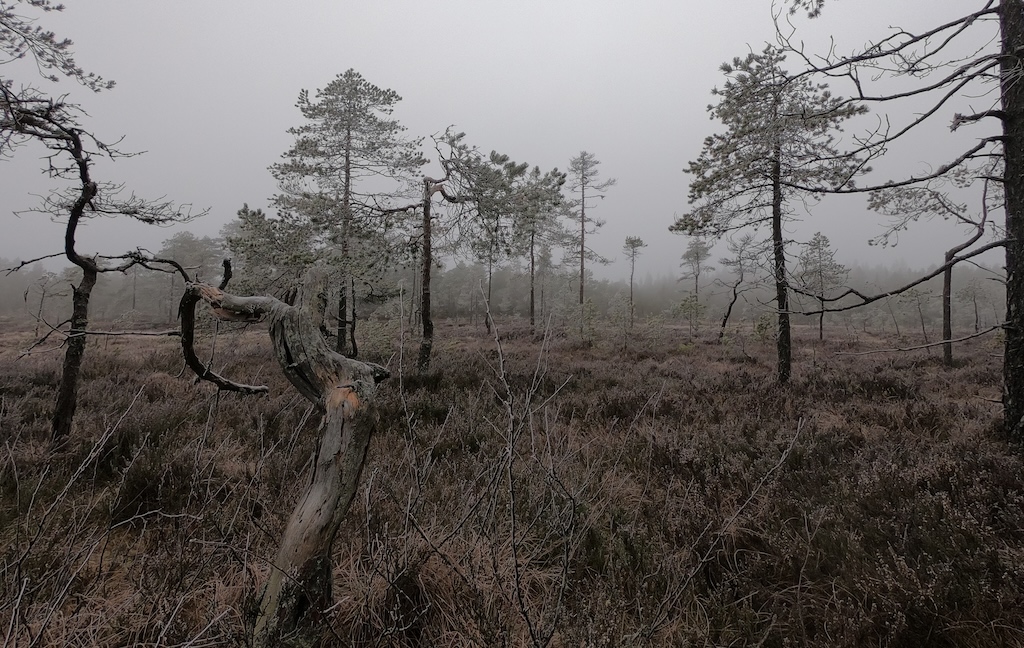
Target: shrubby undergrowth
(550,493)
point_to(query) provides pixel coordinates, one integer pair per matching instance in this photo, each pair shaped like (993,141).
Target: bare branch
(960,119)
(186,310)
(21,265)
(888,47)
(923,346)
(971,153)
(867,299)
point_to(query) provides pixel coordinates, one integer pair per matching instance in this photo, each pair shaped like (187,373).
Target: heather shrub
(545,490)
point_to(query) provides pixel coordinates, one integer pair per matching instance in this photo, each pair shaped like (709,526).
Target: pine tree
(938,68)
(780,132)
(269,253)
(631,248)
(496,187)
(698,251)
(584,179)
(537,225)
(349,136)
(819,273)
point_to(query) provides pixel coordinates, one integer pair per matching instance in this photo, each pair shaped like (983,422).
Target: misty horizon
(623,83)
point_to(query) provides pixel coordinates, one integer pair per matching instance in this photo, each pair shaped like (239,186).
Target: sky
(206,90)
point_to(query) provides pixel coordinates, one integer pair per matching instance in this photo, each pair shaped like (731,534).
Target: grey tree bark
(784,344)
(298,591)
(1011,19)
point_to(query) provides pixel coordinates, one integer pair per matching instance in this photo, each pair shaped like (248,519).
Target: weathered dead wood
(298,590)
(187,313)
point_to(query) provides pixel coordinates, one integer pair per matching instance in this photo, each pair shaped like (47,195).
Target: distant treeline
(36,297)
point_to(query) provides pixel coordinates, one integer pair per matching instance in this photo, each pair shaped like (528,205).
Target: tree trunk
(784,343)
(352,319)
(170,302)
(342,328)
(947,290)
(924,331)
(895,322)
(533,277)
(298,593)
(346,299)
(42,303)
(728,310)
(1012,27)
(490,275)
(299,590)
(583,256)
(427,342)
(821,320)
(583,245)
(414,293)
(977,323)
(632,270)
(821,299)
(67,389)
(947,314)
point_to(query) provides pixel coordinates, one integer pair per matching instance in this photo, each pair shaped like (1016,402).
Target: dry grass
(587,496)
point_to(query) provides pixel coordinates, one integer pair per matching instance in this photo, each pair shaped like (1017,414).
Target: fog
(207,92)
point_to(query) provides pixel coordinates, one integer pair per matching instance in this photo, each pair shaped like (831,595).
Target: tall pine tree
(780,132)
(586,183)
(349,137)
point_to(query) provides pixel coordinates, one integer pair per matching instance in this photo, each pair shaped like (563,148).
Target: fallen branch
(171,333)
(922,346)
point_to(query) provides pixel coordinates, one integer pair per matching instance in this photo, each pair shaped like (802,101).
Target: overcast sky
(207,89)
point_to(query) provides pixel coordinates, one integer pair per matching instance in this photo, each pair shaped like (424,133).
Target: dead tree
(453,190)
(298,592)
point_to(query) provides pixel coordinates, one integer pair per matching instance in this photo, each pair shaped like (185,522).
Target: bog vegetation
(780,456)
(533,492)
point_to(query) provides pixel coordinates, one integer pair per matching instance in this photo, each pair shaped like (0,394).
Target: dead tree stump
(299,588)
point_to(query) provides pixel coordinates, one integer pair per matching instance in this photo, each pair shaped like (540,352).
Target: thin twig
(668,604)
(30,262)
